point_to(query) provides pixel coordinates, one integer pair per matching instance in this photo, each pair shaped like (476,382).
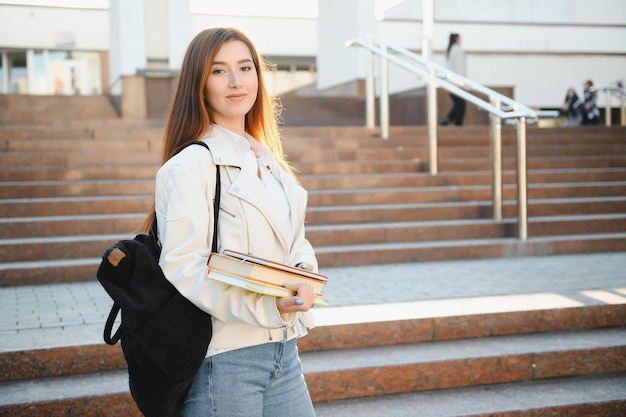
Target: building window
(46,72)
(18,74)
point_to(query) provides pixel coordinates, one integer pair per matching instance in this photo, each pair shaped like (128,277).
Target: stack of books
(262,276)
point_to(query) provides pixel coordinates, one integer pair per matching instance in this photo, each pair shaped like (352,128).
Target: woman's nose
(235,80)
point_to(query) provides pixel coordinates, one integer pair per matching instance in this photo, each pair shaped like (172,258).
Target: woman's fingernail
(299,302)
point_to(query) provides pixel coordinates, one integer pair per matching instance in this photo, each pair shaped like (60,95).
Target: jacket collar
(227,149)
(225,145)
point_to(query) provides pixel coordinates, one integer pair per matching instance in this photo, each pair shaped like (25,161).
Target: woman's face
(232,86)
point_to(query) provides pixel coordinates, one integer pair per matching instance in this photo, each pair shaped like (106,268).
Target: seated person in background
(591,113)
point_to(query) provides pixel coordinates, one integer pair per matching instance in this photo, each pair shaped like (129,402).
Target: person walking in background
(455,61)
(591,113)
(571,110)
(252,367)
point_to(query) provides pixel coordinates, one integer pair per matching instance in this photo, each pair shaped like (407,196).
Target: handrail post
(431,98)
(370,92)
(384,95)
(428,20)
(622,112)
(522,186)
(496,149)
(607,108)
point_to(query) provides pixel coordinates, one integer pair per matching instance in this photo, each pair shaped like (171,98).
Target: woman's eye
(218,71)
(246,68)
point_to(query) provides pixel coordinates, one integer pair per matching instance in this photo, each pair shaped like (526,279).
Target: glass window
(59,73)
(39,73)
(53,72)
(18,76)
(88,73)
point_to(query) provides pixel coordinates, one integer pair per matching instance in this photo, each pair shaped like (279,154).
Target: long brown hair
(189,115)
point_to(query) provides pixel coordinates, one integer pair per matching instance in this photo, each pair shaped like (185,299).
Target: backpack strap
(216,207)
(154,231)
(108,326)
(216,199)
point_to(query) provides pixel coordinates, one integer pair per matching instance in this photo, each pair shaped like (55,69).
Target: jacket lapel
(230,149)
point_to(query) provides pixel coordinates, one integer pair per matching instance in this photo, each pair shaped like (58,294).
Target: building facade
(537,48)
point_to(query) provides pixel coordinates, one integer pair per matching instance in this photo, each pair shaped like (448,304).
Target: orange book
(264,271)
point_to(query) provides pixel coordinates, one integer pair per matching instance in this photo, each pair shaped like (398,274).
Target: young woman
(571,110)
(252,366)
(455,61)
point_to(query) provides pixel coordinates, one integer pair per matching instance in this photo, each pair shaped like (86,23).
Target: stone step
(472,137)
(412,179)
(38,352)
(77,144)
(50,226)
(73,268)
(460,210)
(66,159)
(32,109)
(408,195)
(149,129)
(484,330)
(43,173)
(57,188)
(82,245)
(102,136)
(414,152)
(603,396)
(86,187)
(27,132)
(481,164)
(403,368)
(598,395)
(376,371)
(63,206)
(107,204)
(450,152)
(598,209)
(432,231)
(147,170)
(303,151)
(344,255)
(336,137)
(459,165)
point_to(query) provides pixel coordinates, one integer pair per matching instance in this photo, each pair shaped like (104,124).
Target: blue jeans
(257,381)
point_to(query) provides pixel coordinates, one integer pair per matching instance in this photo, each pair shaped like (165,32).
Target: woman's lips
(236,97)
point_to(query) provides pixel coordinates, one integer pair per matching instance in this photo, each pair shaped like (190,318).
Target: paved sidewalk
(70,306)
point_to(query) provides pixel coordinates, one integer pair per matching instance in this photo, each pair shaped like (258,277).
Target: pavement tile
(574,276)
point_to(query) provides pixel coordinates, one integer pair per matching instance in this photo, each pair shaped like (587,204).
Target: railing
(612,90)
(499,107)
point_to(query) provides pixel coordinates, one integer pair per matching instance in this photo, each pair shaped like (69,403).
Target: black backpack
(164,336)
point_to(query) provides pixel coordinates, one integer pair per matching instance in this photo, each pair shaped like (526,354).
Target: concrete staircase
(70,191)
(66,198)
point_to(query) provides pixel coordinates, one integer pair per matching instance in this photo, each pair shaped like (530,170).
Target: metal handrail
(461,86)
(613,90)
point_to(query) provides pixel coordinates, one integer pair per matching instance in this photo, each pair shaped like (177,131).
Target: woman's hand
(302,301)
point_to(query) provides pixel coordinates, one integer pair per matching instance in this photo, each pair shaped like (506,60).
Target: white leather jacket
(248,223)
